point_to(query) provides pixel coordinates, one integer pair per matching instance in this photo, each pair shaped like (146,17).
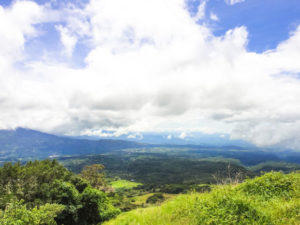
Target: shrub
(271,185)
(157,197)
(96,207)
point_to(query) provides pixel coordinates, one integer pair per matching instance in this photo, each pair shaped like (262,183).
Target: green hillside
(272,199)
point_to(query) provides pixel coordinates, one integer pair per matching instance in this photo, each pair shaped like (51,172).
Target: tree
(96,207)
(94,175)
(66,194)
(51,194)
(17,213)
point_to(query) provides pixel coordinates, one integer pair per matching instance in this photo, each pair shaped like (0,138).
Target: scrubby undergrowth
(272,199)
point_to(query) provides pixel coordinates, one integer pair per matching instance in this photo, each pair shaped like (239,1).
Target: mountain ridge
(23,142)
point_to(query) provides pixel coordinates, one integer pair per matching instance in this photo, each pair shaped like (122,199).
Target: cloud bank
(150,67)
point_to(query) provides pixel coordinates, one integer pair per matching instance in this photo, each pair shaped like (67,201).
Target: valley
(138,176)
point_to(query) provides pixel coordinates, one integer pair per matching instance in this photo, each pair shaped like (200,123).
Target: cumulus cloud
(17,25)
(147,73)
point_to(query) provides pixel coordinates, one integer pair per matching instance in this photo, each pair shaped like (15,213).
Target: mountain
(26,143)
(23,143)
(176,138)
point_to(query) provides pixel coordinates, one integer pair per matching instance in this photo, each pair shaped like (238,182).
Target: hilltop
(272,199)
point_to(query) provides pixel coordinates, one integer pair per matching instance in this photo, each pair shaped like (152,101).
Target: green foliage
(41,184)
(17,214)
(94,175)
(275,166)
(30,182)
(224,206)
(157,170)
(65,193)
(271,185)
(272,199)
(79,183)
(157,173)
(95,207)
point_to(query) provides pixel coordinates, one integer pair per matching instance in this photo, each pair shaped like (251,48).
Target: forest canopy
(44,192)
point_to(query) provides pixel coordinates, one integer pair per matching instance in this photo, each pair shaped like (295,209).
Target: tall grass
(272,199)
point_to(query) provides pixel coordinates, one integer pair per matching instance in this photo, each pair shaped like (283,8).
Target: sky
(228,67)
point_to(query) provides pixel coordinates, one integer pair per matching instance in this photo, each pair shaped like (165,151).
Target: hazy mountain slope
(29,143)
(176,138)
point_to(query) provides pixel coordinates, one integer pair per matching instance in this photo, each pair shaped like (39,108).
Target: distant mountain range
(22,143)
(174,138)
(27,143)
(31,144)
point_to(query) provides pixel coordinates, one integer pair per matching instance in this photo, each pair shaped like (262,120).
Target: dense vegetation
(164,170)
(44,192)
(156,169)
(127,176)
(275,166)
(272,199)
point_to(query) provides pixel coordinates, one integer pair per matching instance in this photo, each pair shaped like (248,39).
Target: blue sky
(211,66)
(268,22)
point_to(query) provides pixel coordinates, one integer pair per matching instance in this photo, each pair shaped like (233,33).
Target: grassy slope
(139,200)
(124,184)
(273,198)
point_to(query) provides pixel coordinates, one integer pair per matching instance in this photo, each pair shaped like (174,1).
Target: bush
(95,207)
(225,206)
(271,185)
(157,197)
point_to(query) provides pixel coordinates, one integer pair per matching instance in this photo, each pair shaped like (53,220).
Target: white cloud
(201,11)
(16,26)
(147,73)
(213,16)
(233,2)
(135,135)
(182,135)
(69,41)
